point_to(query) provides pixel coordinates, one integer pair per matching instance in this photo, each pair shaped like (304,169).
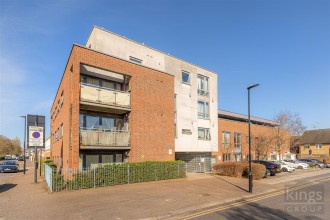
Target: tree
(261,144)
(8,146)
(287,124)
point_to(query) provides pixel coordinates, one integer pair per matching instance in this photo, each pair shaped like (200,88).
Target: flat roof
(143,45)
(244,118)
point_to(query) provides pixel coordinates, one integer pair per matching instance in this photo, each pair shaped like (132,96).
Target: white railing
(94,94)
(104,138)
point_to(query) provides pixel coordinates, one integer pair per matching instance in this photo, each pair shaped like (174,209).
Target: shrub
(258,170)
(233,169)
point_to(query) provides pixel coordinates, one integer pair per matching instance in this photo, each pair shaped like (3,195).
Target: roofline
(167,54)
(84,47)
(261,120)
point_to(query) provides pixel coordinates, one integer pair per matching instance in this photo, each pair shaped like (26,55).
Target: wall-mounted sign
(170,151)
(186,131)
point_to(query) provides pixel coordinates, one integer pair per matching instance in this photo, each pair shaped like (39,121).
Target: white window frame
(200,91)
(306,147)
(224,143)
(204,114)
(318,146)
(207,134)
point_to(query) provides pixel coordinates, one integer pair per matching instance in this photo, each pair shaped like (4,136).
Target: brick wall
(151,120)
(232,127)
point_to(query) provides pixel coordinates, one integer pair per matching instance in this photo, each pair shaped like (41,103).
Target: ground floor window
(226,157)
(90,160)
(238,157)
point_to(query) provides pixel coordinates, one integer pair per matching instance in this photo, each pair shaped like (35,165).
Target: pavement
(20,198)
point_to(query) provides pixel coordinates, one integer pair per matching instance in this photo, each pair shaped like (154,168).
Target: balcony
(103,97)
(104,139)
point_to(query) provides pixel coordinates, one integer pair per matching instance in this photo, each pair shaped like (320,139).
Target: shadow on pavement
(254,211)
(231,183)
(6,187)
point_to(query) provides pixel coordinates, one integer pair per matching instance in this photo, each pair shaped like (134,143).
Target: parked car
(8,157)
(284,167)
(320,162)
(311,162)
(272,167)
(20,158)
(9,166)
(297,164)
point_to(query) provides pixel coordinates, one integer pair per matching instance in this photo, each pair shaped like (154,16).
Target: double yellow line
(250,200)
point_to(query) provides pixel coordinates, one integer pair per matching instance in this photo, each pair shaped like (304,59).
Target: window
(175,119)
(100,83)
(225,139)
(185,77)
(238,147)
(135,60)
(306,147)
(226,157)
(204,134)
(202,85)
(318,146)
(101,122)
(203,109)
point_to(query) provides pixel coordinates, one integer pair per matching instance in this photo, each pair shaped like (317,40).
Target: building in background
(46,151)
(234,139)
(121,101)
(314,144)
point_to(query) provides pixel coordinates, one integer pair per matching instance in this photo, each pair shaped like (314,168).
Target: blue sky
(282,44)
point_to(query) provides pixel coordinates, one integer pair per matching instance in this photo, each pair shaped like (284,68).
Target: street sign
(36,135)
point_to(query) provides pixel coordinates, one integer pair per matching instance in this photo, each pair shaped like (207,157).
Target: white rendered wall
(186,95)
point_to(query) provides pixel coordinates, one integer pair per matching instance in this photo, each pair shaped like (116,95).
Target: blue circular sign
(36,134)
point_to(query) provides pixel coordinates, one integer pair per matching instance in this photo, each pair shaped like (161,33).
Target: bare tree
(8,146)
(287,124)
(261,144)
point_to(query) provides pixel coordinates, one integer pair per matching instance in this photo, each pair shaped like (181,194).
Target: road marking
(251,200)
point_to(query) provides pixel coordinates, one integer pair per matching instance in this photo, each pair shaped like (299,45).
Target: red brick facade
(232,126)
(151,121)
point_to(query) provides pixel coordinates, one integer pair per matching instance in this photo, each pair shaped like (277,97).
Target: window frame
(200,91)
(204,114)
(225,144)
(189,77)
(207,134)
(135,60)
(318,146)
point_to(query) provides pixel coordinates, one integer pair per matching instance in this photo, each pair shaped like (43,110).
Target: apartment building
(121,101)
(234,139)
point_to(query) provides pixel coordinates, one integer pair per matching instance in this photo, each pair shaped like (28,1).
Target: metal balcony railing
(106,96)
(106,138)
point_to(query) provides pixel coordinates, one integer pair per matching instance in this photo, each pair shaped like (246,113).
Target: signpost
(36,137)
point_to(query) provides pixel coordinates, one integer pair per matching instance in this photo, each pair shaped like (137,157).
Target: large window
(101,122)
(203,109)
(100,83)
(202,85)
(204,134)
(238,147)
(225,139)
(186,77)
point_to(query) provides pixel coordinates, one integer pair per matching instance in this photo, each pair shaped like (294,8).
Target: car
(9,166)
(320,162)
(7,157)
(20,158)
(272,167)
(312,162)
(284,167)
(296,164)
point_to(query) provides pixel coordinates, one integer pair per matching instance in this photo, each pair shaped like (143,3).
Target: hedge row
(239,169)
(116,174)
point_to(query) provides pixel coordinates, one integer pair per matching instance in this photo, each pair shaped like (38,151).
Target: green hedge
(116,174)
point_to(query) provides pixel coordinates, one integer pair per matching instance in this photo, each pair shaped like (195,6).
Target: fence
(113,174)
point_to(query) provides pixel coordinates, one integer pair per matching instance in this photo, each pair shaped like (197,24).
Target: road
(281,205)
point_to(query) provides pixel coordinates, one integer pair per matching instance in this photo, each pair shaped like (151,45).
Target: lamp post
(250,168)
(24,147)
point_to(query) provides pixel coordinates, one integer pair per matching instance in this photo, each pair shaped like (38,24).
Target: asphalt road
(312,202)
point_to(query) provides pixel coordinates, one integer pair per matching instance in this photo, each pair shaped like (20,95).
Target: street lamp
(24,147)
(250,168)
